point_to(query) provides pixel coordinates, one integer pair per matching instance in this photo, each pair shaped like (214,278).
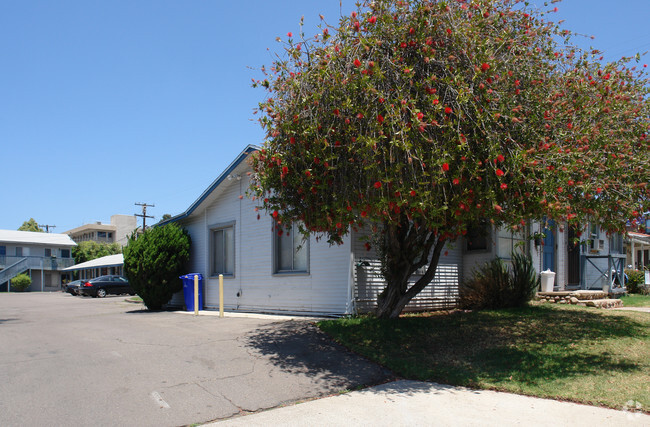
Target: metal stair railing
(14,270)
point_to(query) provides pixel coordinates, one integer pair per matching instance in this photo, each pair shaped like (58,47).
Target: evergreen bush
(636,282)
(21,282)
(495,285)
(153,262)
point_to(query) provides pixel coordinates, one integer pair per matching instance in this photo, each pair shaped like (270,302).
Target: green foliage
(154,261)
(89,250)
(496,286)
(434,115)
(636,282)
(21,282)
(570,353)
(525,279)
(31,225)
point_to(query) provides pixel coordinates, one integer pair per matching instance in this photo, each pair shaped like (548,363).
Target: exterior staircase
(598,299)
(14,270)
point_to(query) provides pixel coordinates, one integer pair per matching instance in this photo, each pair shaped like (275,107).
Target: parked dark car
(104,285)
(73,287)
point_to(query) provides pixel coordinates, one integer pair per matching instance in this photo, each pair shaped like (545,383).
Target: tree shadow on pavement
(300,348)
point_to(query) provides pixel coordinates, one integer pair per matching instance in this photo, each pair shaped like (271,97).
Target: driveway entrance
(68,360)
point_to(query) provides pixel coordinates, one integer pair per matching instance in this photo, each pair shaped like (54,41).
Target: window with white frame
(595,243)
(223,250)
(509,242)
(291,250)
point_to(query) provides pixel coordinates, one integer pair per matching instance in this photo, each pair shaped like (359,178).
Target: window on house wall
(478,238)
(223,250)
(47,252)
(594,237)
(19,251)
(291,250)
(65,253)
(3,250)
(616,243)
(509,242)
(101,234)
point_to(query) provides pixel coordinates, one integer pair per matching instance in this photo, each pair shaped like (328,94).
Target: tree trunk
(405,249)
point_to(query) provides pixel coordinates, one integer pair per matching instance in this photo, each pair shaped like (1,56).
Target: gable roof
(35,238)
(240,158)
(106,261)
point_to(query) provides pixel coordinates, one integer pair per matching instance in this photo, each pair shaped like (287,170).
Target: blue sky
(107,103)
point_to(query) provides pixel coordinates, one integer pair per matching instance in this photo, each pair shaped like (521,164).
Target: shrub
(636,282)
(154,261)
(21,282)
(496,286)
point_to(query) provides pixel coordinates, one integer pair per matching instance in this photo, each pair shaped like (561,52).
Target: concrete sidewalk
(414,403)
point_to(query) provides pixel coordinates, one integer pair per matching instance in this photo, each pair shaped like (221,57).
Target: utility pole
(47,227)
(144,214)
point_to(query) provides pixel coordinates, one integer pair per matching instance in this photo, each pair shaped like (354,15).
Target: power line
(144,215)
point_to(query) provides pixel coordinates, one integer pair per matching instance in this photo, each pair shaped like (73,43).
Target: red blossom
(485,66)
(499,172)
(445,167)
(500,158)
(378,184)
(275,214)
(380,118)
(504,186)
(412,193)
(290,34)
(357,63)
(372,19)
(420,116)
(448,110)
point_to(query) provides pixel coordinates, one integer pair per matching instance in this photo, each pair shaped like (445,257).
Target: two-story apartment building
(41,255)
(118,231)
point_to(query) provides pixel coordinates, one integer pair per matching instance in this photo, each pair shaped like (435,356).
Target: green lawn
(566,352)
(636,300)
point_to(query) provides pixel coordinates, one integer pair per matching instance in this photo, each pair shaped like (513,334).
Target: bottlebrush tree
(419,118)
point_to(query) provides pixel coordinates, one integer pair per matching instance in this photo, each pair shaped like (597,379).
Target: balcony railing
(38,262)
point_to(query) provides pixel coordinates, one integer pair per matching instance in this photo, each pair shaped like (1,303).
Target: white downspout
(350,304)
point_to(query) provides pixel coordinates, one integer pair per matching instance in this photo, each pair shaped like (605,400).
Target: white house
(42,255)
(267,272)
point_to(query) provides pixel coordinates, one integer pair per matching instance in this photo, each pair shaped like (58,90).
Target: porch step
(598,299)
(581,294)
(604,303)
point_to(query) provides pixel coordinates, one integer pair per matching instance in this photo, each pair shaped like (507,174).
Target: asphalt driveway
(68,360)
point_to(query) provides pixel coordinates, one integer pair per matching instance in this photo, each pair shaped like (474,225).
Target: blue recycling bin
(188,290)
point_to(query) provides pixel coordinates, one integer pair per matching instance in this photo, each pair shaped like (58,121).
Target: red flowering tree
(420,118)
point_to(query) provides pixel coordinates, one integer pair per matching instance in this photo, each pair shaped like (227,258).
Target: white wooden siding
(441,293)
(254,287)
